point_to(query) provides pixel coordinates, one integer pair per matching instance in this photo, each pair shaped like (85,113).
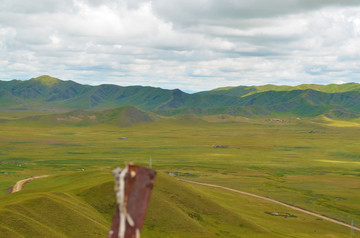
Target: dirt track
(19,185)
(278,202)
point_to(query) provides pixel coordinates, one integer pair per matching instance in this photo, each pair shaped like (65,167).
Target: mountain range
(46,93)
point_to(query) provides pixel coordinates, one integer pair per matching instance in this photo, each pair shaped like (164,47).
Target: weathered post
(133,187)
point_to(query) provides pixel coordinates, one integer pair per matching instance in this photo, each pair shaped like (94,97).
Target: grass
(340,123)
(281,161)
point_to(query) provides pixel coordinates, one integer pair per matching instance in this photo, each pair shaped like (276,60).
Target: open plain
(309,163)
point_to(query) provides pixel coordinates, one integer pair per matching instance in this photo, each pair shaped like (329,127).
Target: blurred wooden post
(133,187)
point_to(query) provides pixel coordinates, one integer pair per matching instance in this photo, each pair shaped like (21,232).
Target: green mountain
(47,93)
(299,103)
(304,102)
(50,94)
(241,91)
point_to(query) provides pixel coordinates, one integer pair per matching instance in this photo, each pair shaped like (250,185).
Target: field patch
(338,123)
(346,155)
(339,161)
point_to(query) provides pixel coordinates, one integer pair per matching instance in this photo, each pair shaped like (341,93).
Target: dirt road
(19,185)
(278,202)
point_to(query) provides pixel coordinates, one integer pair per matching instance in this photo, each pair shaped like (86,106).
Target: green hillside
(231,91)
(298,103)
(50,94)
(59,207)
(122,116)
(248,90)
(47,93)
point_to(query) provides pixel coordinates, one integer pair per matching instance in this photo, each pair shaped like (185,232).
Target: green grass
(81,205)
(248,90)
(281,161)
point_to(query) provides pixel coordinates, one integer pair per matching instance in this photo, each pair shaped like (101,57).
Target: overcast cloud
(187,44)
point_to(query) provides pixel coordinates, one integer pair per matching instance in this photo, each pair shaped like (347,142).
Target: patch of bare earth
(19,185)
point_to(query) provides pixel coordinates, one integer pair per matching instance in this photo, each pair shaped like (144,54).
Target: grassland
(311,164)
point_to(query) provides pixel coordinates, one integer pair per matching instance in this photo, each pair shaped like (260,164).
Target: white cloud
(193,45)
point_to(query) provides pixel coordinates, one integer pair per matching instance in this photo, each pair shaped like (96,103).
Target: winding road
(19,185)
(278,202)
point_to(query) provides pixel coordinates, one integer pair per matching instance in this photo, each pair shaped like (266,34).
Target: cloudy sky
(193,45)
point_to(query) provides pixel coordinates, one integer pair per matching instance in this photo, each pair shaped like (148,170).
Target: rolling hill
(298,103)
(121,116)
(248,90)
(46,93)
(58,207)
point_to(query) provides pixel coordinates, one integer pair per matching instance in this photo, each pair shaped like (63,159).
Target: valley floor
(311,164)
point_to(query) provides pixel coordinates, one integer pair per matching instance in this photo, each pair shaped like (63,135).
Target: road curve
(276,201)
(19,185)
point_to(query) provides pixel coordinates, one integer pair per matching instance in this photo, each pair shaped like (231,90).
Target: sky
(193,45)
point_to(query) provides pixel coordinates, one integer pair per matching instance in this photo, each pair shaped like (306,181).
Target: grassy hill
(60,207)
(296,103)
(50,94)
(121,116)
(241,91)
(47,93)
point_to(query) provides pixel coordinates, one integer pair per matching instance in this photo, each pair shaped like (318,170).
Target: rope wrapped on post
(133,187)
